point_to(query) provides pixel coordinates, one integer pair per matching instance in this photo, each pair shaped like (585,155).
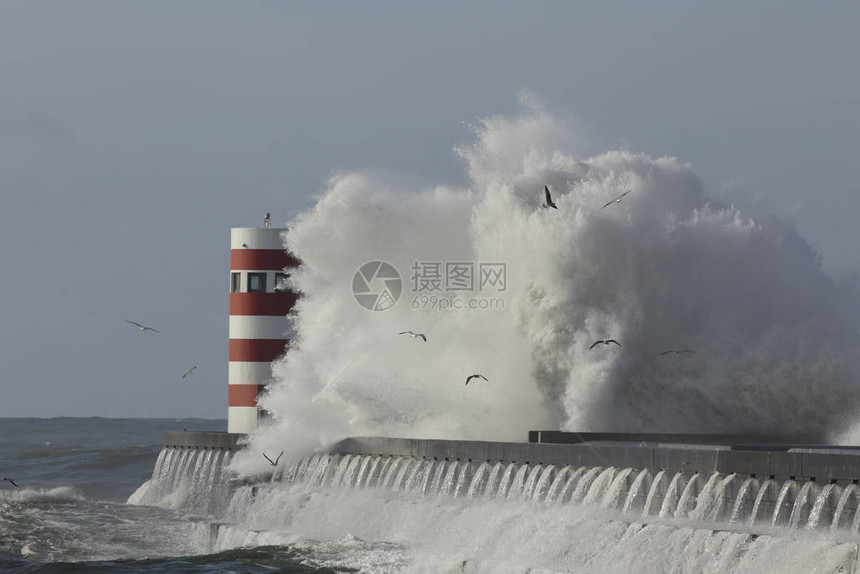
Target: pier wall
(213,440)
(823,464)
(740,479)
(702,454)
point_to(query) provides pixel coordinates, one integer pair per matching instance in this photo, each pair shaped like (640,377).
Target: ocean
(101,495)
(69,512)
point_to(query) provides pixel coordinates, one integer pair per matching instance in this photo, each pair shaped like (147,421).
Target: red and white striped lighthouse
(259,303)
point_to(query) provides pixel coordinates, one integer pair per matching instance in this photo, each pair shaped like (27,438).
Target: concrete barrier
(761,481)
(188,439)
(727,454)
(782,462)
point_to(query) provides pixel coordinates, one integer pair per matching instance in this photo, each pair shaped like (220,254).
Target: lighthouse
(259,327)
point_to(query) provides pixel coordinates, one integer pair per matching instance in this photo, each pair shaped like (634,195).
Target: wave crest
(664,268)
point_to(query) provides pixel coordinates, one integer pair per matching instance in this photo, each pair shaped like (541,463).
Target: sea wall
(776,484)
(216,440)
(824,464)
(767,481)
(763,457)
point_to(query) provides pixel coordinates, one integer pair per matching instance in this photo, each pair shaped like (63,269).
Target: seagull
(189,371)
(605,342)
(617,199)
(677,351)
(549,202)
(414,335)
(142,327)
(270,460)
(470,377)
(12,481)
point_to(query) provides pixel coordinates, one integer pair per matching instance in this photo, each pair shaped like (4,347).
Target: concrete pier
(744,457)
(215,440)
(766,484)
(756,480)
(755,456)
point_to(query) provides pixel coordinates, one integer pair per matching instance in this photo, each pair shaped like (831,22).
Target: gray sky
(133,135)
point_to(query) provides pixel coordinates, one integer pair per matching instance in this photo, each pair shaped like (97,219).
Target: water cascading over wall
(189,478)
(637,493)
(487,506)
(680,482)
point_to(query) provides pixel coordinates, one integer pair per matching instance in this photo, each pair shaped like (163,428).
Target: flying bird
(142,327)
(414,335)
(10,480)
(470,377)
(189,371)
(270,460)
(549,202)
(677,351)
(617,199)
(605,342)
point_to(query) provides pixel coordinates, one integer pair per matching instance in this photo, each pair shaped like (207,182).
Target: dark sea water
(69,512)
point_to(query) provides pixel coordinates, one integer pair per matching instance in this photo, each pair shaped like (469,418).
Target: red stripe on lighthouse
(244,395)
(258,259)
(262,303)
(257,350)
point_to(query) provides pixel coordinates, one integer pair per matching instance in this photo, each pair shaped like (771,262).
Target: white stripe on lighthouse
(242,419)
(248,373)
(258,327)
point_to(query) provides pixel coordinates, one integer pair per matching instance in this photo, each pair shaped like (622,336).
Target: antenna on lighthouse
(267,221)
